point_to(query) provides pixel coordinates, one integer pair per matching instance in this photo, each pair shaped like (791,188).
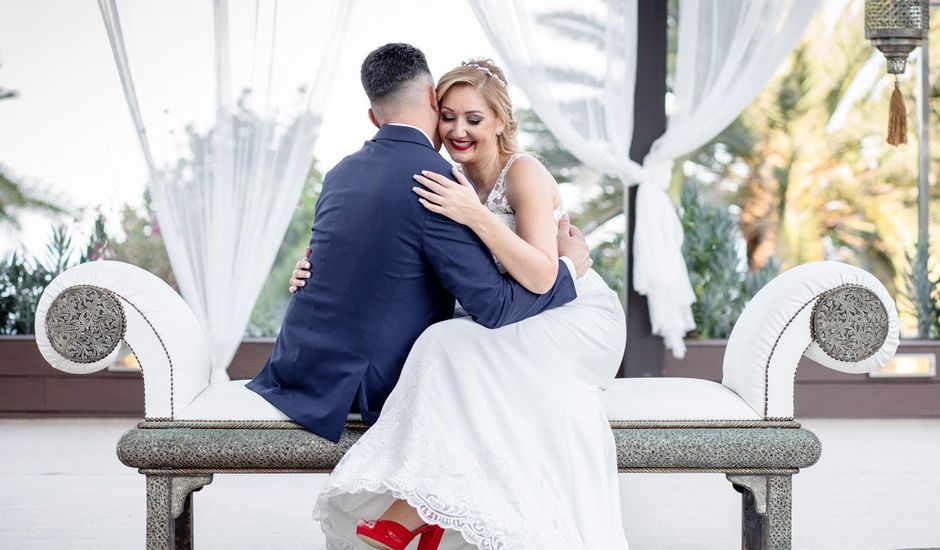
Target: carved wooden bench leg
(170,510)
(765,510)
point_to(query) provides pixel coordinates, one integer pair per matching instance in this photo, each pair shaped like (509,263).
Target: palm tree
(808,192)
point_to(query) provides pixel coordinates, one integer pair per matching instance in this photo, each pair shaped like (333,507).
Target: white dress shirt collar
(431,143)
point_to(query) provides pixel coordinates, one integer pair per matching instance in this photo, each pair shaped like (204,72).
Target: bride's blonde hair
(489,80)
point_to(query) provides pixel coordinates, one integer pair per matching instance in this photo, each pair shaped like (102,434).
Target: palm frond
(15,197)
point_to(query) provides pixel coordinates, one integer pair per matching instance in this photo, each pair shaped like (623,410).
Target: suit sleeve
(466,269)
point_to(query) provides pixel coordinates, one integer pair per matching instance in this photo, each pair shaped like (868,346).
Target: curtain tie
(658,174)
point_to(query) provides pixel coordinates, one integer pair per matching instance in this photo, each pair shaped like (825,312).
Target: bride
(492,438)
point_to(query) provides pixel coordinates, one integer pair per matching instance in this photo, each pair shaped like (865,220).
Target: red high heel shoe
(391,535)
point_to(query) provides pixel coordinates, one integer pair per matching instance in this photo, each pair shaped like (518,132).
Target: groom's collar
(403,132)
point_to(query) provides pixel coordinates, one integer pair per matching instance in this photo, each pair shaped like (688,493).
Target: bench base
(759,463)
(170,510)
(765,510)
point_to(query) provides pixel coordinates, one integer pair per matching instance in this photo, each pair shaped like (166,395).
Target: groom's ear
(374,120)
(432,97)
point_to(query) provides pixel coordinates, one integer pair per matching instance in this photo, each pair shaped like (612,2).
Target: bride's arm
(531,256)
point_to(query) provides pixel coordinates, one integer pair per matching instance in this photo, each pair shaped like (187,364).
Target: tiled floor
(877,486)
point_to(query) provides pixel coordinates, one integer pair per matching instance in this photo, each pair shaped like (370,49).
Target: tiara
(486,71)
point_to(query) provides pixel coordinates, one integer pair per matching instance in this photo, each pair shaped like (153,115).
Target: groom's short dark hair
(387,68)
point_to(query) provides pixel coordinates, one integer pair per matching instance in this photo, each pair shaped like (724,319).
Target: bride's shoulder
(523,158)
(528,181)
(527,169)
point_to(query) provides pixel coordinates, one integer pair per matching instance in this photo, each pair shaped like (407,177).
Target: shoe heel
(431,538)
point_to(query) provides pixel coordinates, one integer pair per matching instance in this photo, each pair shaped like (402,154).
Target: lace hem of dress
(545,526)
(473,529)
(428,513)
(549,530)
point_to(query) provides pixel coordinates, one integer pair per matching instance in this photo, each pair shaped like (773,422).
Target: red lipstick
(461,146)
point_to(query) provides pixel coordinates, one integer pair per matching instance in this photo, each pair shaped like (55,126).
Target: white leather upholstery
(673,399)
(759,366)
(230,400)
(161,329)
(773,333)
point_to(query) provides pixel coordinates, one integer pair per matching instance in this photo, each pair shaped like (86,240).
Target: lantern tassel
(897,117)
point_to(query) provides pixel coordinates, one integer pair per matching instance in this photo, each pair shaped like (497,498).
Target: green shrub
(922,291)
(23,279)
(608,263)
(716,264)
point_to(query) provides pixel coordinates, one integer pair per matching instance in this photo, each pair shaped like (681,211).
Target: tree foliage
(807,167)
(808,186)
(142,244)
(269,310)
(717,264)
(24,277)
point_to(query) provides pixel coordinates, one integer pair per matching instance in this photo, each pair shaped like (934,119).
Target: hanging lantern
(896,27)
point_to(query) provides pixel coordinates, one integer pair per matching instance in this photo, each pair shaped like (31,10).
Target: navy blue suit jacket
(383,269)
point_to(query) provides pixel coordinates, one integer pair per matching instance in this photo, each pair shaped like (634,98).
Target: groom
(384,268)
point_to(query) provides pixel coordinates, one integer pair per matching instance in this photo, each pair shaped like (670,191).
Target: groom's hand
(301,272)
(571,243)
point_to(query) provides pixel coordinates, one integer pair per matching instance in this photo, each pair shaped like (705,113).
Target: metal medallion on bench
(850,323)
(85,323)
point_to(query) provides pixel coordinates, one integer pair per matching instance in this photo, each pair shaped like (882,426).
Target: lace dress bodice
(498,203)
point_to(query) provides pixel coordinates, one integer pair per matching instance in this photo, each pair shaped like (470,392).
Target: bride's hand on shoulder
(455,199)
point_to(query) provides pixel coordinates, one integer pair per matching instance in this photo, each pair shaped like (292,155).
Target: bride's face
(467,125)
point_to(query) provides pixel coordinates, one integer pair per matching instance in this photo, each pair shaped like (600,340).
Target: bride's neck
(484,172)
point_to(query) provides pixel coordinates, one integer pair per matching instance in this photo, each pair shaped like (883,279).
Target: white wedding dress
(496,434)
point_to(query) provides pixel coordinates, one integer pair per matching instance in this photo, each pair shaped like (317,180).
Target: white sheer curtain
(227,109)
(575,66)
(727,51)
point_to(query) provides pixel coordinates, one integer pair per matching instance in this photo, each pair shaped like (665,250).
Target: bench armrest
(838,315)
(94,314)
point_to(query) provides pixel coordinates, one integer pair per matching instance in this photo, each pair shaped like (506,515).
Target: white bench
(838,315)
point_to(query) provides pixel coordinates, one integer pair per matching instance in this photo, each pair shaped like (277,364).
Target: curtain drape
(227,117)
(727,51)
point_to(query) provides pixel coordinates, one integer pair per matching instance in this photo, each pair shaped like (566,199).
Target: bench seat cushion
(673,399)
(625,400)
(230,400)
